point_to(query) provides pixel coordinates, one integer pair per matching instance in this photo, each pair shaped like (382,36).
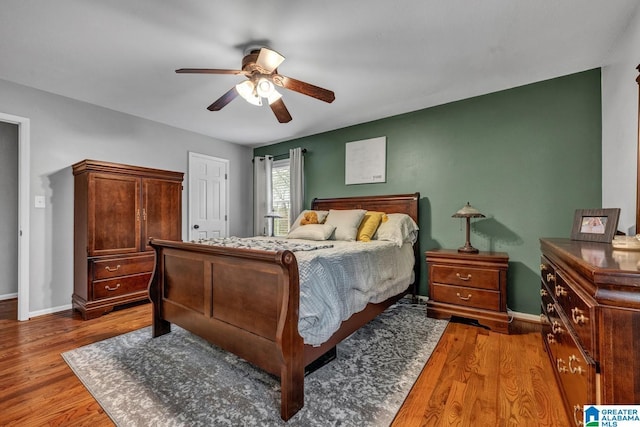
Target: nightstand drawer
(464,296)
(466,276)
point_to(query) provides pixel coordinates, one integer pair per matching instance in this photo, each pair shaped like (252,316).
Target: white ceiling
(380,57)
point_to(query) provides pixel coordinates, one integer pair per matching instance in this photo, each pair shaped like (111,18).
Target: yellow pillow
(369,225)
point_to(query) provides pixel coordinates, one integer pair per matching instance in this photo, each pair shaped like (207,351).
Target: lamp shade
(468,211)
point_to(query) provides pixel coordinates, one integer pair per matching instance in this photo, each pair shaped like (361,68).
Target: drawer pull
(550,307)
(560,291)
(578,421)
(467,298)
(543,318)
(556,327)
(551,339)
(560,366)
(112,269)
(573,370)
(463,278)
(551,277)
(543,267)
(543,292)
(578,317)
(109,288)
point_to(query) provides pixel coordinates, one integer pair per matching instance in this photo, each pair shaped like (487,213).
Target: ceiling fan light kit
(247,91)
(260,68)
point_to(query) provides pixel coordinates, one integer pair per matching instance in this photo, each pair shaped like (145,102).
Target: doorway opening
(24,142)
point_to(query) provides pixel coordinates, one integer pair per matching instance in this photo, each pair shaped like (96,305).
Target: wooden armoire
(117,208)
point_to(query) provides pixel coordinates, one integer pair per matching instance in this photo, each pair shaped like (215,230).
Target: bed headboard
(394,203)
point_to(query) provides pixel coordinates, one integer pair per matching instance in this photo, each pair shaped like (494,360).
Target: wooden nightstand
(473,286)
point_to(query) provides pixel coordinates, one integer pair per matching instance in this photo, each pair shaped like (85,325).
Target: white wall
(65,131)
(620,126)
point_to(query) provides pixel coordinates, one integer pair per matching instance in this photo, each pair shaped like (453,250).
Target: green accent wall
(526,157)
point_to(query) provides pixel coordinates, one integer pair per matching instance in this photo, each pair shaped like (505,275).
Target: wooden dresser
(472,286)
(591,322)
(116,209)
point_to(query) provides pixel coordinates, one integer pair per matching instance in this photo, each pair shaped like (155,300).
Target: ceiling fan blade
(280,110)
(209,71)
(304,88)
(223,100)
(269,59)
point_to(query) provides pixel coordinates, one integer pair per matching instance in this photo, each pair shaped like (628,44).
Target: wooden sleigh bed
(247,301)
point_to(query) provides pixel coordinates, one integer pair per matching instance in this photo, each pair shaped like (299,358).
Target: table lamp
(271,216)
(468,212)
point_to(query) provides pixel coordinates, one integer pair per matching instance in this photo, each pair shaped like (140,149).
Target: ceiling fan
(260,66)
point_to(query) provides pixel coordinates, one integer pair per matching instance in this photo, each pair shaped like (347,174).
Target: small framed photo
(595,225)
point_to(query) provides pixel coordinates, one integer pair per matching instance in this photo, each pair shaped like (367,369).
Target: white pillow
(312,232)
(399,228)
(346,222)
(321,217)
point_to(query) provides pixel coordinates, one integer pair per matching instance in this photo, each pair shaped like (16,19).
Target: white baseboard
(8,296)
(50,310)
(526,317)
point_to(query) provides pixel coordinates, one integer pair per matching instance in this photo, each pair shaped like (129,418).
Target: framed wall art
(595,225)
(366,161)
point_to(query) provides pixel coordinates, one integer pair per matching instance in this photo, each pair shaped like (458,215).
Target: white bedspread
(337,278)
(338,282)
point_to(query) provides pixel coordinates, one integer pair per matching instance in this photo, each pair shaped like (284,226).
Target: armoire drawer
(121,286)
(125,266)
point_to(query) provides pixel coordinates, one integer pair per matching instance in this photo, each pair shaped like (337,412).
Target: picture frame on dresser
(595,225)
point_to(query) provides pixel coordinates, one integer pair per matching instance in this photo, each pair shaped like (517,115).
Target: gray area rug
(179,379)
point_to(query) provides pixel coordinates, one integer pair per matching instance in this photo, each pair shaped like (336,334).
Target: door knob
(196,226)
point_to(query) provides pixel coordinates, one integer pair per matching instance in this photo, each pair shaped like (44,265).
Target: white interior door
(208,185)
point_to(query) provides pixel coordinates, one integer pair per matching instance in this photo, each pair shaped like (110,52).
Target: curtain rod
(282,156)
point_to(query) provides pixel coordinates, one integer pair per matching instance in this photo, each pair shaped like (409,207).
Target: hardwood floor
(473,378)
(479,378)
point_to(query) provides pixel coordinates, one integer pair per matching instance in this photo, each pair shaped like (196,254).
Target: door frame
(190,194)
(24,146)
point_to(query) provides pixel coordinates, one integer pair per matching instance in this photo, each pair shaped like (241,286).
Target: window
(280,188)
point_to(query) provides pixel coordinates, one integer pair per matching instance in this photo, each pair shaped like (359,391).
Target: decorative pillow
(369,225)
(399,228)
(320,215)
(346,222)
(312,232)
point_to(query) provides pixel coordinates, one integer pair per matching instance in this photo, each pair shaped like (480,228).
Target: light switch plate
(39,202)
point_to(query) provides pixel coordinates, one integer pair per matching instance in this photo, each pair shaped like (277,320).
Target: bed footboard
(244,301)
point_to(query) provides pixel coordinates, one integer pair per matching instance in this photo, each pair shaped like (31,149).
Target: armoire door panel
(161,201)
(114,214)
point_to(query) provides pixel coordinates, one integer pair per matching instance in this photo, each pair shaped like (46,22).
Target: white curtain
(296,176)
(262,195)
